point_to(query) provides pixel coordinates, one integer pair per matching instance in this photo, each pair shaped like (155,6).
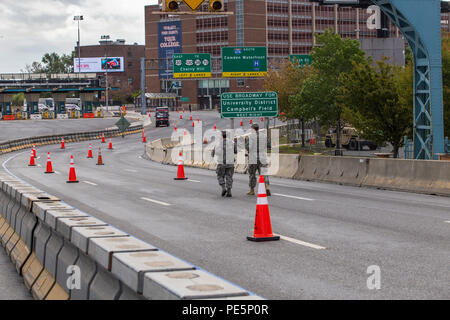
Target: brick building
(283,26)
(128,81)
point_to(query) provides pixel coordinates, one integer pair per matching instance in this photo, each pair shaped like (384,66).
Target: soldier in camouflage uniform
(225,150)
(257,161)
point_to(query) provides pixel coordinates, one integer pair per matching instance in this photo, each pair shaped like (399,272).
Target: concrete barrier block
(40,238)
(187,285)
(288,165)
(81,235)
(102,249)
(28,224)
(67,257)
(104,286)
(11,243)
(52,249)
(29,198)
(64,225)
(57,293)
(42,286)
(7,235)
(19,255)
(128,294)
(130,267)
(40,208)
(53,215)
(88,270)
(31,270)
(3,230)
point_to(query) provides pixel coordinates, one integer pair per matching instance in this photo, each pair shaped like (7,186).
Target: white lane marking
(39,165)
(447,221)
(302,243)
(91,183)
(57,172)
(130,170)
(293,197)
(156,201)
(194,181)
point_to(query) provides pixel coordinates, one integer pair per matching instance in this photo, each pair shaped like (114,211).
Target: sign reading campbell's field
(249,104)
(238,62)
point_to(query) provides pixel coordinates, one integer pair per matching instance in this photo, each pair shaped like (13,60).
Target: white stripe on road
(130,170)
(292,197)
(156,201)
(302,243)
(194,181)
(91,183)
(57,172)
(447,221)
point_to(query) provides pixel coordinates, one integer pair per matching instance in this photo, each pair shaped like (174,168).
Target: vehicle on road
(162,117)
(46,104)
(350,140)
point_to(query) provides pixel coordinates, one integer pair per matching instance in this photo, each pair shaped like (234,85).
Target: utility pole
(106,38)
(79,18)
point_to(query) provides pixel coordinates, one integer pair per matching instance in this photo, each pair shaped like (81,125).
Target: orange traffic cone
(193,124)
(100,158)
(181,116)
(205,141)
(198,119)
(63,145)
(215,127)
(190,119)
(103,138)
(34,151)
(90,155)
(72,175)
(251,121)
(175,127)
(263,227)
(110,147)
(262,119)
(180,175)
(49,165)
(144,138)
(242,123)
(32,162)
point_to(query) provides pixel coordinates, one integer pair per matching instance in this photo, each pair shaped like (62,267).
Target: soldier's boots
(251,192)
(229,195)
(269,194)
(224,190)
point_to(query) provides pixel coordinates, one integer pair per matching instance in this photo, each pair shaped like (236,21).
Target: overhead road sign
(193,4)
(301,59)
(240,62)
(192,65)
(249,105)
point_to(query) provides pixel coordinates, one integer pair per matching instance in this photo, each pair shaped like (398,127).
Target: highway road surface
(331,235)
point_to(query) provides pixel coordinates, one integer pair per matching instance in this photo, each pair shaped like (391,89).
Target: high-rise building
(283,26)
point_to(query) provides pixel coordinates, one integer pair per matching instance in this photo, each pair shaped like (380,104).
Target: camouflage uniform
(257,161)
(225,169)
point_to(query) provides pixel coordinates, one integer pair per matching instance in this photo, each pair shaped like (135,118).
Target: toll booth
(60,102)
(32,102)
(87,99)
(5,100)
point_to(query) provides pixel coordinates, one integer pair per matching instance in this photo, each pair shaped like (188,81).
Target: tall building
(128,81)
(283,26)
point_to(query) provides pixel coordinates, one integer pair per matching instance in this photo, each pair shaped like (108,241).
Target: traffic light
(171,5)
(216,5)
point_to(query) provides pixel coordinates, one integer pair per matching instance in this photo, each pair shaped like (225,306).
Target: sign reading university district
(192,65)
(249,104)
(238,62)
(170,42)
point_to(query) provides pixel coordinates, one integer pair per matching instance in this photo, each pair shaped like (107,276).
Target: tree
(52,63)
(18,99)
(378,101)
(332,57)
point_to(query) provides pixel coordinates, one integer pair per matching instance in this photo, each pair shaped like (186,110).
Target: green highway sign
(249,104)
(185,99)
(191,65)
(239,62)
(301,59)
(123,124)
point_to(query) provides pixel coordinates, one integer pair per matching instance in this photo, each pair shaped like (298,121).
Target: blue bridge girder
(420,23)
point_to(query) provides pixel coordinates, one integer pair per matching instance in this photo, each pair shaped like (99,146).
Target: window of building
(130,81)
(241,83)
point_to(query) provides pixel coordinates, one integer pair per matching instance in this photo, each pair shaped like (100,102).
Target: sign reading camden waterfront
(192,65)
(249,104)
(239,62)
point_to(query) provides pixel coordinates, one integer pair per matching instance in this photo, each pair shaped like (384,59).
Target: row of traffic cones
(263,226)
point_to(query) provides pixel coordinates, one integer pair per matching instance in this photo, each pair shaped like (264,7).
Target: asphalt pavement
(331,234)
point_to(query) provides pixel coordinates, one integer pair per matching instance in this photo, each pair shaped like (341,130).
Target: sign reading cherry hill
(192,65)
(249,104)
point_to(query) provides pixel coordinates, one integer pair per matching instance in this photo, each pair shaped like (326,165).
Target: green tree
(18,99)
(52,63)
(378,101)
(332,57)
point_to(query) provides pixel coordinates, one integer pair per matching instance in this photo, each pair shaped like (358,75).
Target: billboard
(97,65)
(170,42)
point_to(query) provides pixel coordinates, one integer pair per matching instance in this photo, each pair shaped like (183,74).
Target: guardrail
(63,253)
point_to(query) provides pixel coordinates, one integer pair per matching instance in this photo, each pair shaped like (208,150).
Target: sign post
(249,105)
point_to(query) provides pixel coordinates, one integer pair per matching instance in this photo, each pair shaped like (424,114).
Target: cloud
(30,28)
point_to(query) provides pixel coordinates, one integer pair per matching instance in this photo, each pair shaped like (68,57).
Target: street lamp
(106,38)
(79,18)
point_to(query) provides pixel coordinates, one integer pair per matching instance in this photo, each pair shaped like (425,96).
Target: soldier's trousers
(252,169)
(225,175)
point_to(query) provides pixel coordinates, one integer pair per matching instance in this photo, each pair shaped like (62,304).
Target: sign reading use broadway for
(249,104)
(238,62)
(192,65)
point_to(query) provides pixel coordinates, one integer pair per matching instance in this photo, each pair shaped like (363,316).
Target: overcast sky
(31,28)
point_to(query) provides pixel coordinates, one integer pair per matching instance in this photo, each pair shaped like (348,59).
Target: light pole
(79,18)
(106,38)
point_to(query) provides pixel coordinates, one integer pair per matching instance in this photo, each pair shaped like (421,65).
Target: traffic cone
(263,227)
(32,162)
(144,138)
(63,145)
(190,119)
(110,147)
(205,141)
(181,116)
(103,138)
(185,132)
(215,127)
(262,119)
(34,151)
(72,175)
(100,158)
(198,119)
(175,127)
(180,174)
(193,124)
(90,155)
(251,121)
(242,123)
(49,165)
